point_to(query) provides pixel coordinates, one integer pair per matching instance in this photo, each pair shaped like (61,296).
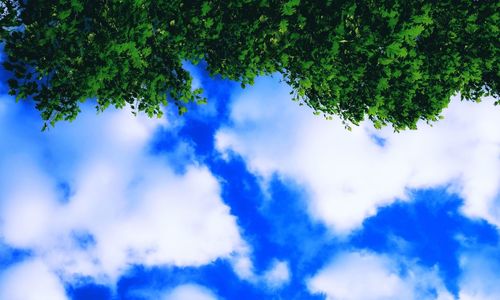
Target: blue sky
(248,197)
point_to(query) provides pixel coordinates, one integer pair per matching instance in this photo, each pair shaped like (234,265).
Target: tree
(393,61)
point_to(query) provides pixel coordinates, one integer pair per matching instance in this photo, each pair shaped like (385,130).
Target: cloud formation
(30,280)
(95,198)
(480,279)
(89,199)
(369,276)
(348,175)
(189,291)
(277,275)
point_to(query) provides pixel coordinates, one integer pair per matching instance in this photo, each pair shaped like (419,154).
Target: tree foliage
(393,61)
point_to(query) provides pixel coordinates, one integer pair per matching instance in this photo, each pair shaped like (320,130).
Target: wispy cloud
(189,291)
(480,279)
(277,275)
(370,276)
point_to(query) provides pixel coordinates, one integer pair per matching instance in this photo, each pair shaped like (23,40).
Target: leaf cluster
(395,62)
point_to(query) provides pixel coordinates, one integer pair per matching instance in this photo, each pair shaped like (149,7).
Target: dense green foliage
(395,62)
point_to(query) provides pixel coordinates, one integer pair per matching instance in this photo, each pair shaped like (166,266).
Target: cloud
(186,291)
(30,280)
(189,291)
(89,199)
(480,279)
(369,276)
(277,275)
(348,175)
(243,266)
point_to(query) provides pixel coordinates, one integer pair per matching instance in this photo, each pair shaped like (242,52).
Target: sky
(250,196)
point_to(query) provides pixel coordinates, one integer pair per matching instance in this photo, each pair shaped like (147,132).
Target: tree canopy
(393,61)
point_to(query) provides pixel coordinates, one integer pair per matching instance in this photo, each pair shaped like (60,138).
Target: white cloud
(124,206)
(277,275)
(368,276)
(243,266)
(30,280)
(189,292)
(480,279)
(348,175)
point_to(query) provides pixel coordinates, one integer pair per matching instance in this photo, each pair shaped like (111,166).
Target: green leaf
(306,83)
(283,26)
(64,14)
(205,8)
(182,110)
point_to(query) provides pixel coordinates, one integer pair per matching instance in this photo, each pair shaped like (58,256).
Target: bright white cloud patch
(189,292)
(349,174)
(367,276)
(243,266)
(88,199)
(30,280)
(277,275)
